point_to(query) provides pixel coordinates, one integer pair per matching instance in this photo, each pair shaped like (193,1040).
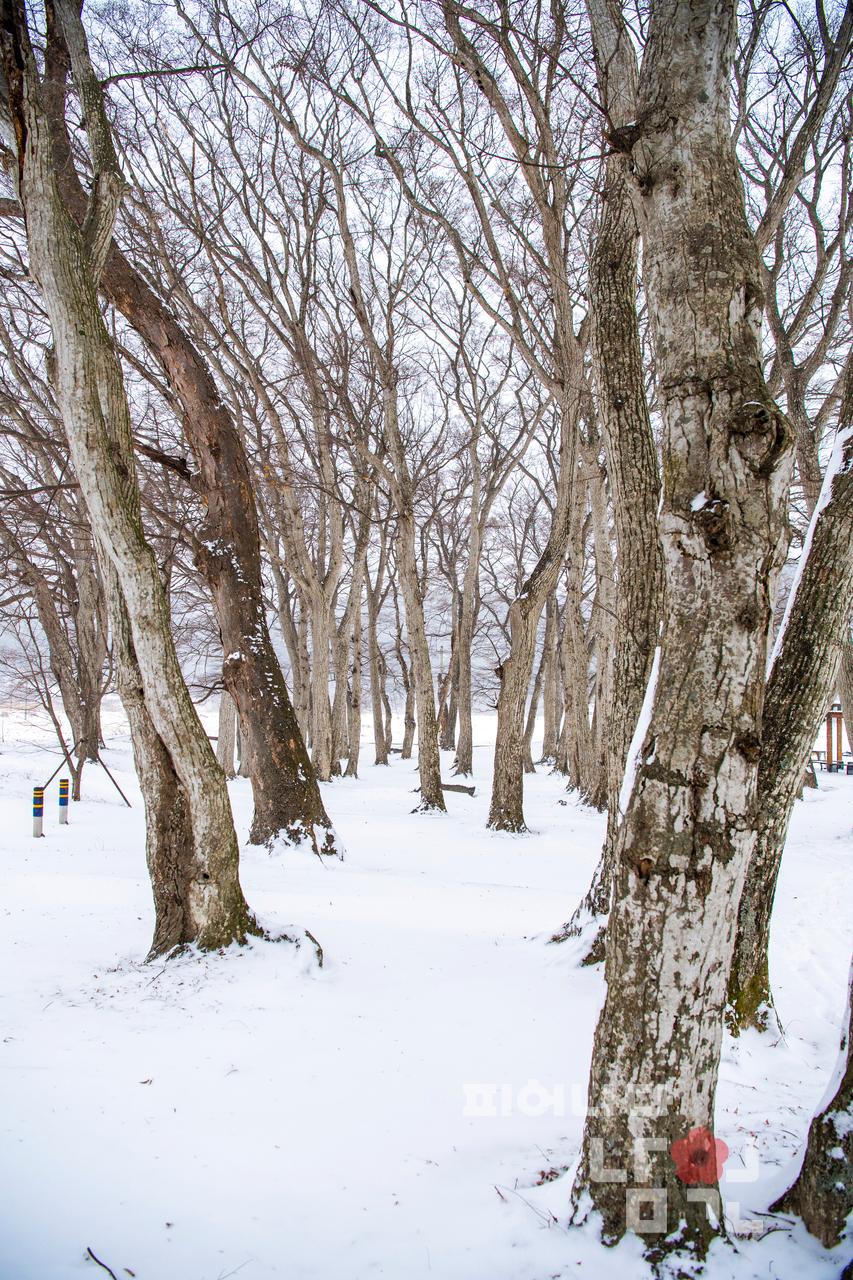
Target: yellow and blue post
(38,811)
(63,802)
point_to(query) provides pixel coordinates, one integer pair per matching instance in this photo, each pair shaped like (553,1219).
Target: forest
(426,528)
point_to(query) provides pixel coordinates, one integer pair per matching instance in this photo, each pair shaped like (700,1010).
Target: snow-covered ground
(407,1110)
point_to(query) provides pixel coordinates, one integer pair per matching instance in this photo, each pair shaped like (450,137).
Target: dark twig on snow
(97,1260)
(317,948)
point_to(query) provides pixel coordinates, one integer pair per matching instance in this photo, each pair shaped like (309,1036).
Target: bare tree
(287,799)
(689,797)
(192,844)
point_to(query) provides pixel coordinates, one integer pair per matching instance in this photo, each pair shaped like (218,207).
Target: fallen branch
(317,948)
(108,1270)
(457,786)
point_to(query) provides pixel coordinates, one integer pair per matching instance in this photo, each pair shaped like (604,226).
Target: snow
(407,1111)
(639,735)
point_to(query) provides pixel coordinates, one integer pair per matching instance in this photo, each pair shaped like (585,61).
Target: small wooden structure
(834,753)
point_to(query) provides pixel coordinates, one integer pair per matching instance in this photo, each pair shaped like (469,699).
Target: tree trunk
(550,726)
(632,465)
(354,702)
(601,637)
(377,683)
(506,812)
(293,630)
(168,827)
(801,683)
(226,741)
(689,799)
(341,638)
(321,711)
(242,758)
(90,626)
(533,711)
(823,1192)
(468,605)
(429,761)
(575,737)
(409,722)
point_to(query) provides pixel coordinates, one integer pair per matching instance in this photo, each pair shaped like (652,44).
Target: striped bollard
(38,811)
(63,802)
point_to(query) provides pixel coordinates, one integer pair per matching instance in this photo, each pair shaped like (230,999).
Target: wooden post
(63,802)
(839,753)
(829,742)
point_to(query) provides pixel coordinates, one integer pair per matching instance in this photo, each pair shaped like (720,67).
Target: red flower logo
(699,1158)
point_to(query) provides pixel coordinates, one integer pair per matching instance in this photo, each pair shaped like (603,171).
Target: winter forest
(426,527)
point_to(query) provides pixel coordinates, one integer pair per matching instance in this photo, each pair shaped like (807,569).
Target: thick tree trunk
(287,798)
(226,742)
(801,683)
(168,826)
(823,1192)
(689,797)
(602,634)
(632,465)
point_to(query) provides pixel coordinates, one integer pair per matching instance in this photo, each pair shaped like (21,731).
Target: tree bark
(169,850)
(533,712)
(689,800)
(632,465)
(802,681)
(354,702)
(377,679)
(226,742)
(321,709)
(550,724)
(468,608)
